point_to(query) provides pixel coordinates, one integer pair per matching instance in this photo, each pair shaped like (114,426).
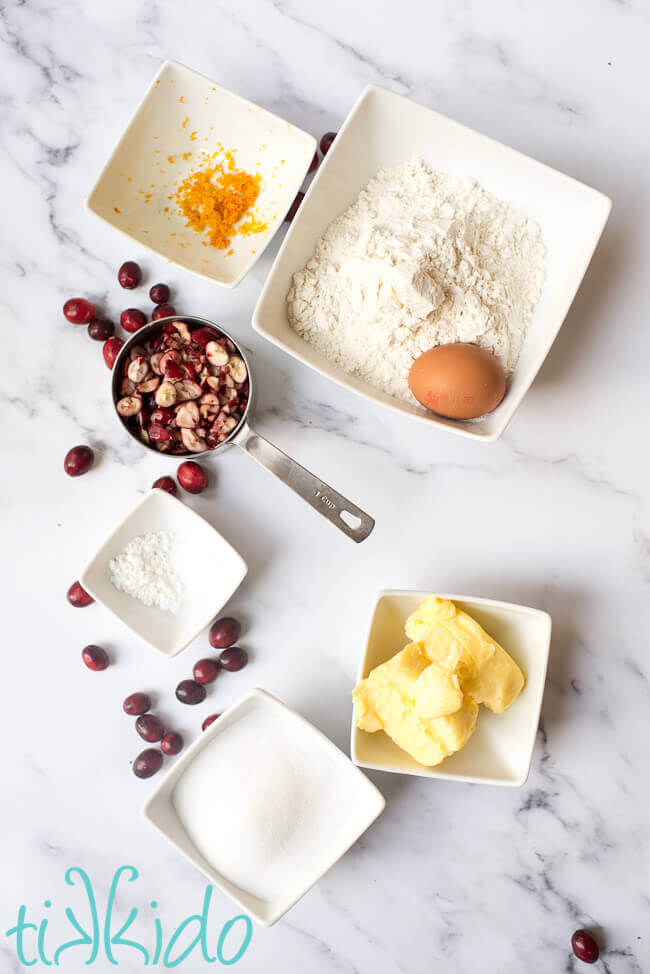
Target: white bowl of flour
(416,232)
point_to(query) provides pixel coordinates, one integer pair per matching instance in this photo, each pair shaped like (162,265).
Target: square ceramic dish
(366,802)
(209,567)
(182,112)
(500,750)
(384,129)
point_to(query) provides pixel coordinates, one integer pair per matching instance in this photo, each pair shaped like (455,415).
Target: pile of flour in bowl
(420,259)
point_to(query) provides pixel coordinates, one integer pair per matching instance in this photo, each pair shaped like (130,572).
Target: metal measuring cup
(341,512)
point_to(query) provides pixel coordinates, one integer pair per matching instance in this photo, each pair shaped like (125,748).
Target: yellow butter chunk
(418,703)
(456,641)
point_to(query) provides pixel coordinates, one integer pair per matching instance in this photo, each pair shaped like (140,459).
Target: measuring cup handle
(345,515)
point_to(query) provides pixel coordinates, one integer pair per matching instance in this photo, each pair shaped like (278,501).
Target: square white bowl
(500,750)
(384,129)
(209,567)
(262,143)
(368,803)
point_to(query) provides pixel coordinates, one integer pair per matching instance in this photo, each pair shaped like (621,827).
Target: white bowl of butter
(464,679)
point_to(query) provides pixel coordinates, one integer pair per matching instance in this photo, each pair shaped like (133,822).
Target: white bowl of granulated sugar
(164,572)
(417,232)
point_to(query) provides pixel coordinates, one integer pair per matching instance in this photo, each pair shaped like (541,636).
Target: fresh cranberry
(585,947)
(95,657)
(206,671)
(168,484)
(136,704)
(191,692)
(129,275)
(295,206)
(192,477)
(100,329)
(163,311)
(78,596)
(313,165)
(224,632)
(172,743)
(132,319)
(147,763)
(79,311)
(149,728)
(112,350)
(78,461)
(159,294)
(326,142)
(233,659)
(209,720)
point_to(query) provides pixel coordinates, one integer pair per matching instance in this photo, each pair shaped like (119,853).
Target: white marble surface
(556,514)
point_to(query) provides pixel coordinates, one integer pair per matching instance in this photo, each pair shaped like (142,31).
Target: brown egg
(460,381)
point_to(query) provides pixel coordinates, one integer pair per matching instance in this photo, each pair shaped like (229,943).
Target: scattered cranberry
(585,947)
(149,728)
(78,461)
(95,657)
(78,596)
(112,350)
(79,311)
(189,691)
(313,165)
(132,319)
(168,484)
(295,206)
(163,311)
(326,142)
(172,743)
(129,275)
(192,477)
(206,671)
(233,659)
(100,329)
(159,294)
(136,704)
(209,720)
(147,763)
(224,632)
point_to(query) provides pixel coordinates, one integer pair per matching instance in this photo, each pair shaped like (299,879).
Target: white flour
(144,571)
(420,259)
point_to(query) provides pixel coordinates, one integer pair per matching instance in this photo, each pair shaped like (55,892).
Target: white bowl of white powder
(263,804)
(415,232)
(164,572)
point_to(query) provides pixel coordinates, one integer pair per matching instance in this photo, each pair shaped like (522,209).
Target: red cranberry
(129,275)
(163,311)
(168,484)
(78,596)
(191,692)
(112,350)
(159,294)
(78,461)
(224,632)
(100,329)
(295,206)
(149,728)
(585,947)
(206,671)
(172,743)
(326,142)
(147,763)
(132,319)
(79,311)
(313,165)
(233,659)
(192,477)
(95,657)
(209,720)
(136,704)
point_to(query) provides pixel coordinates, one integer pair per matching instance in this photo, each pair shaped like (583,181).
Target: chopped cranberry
(79,311)
(129,275)
(159,294)
(163,311)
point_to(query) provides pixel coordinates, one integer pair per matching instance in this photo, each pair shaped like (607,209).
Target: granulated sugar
(144,571)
